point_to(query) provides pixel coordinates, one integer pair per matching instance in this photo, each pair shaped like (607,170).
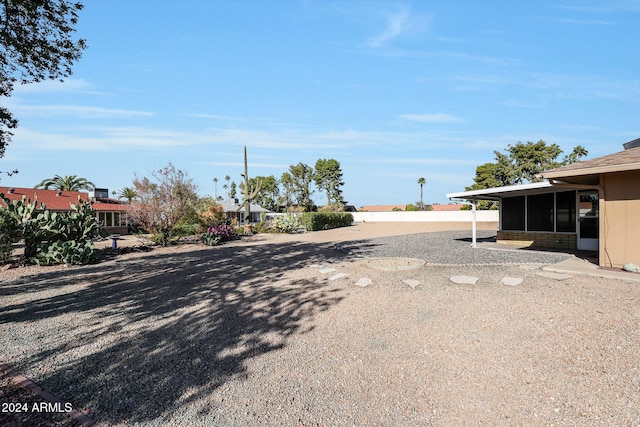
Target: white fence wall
(427,216)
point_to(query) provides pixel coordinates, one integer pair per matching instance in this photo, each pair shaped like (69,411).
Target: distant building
(232,209)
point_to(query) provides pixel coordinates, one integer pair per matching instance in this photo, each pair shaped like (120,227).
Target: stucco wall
(620,219)
(428,216)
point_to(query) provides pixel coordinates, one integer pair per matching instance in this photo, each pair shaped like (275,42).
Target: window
(566,211)
(540,212)
(512,213)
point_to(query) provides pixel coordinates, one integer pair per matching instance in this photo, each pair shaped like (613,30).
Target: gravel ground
(256,333)
(449,248)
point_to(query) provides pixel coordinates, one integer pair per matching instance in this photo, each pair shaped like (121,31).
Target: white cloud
(431,118)
(49,86)
(396,24)
(79,111)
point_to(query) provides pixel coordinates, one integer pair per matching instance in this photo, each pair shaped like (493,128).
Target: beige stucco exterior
(620,218)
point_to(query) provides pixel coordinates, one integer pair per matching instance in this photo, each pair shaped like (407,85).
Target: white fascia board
(498,192)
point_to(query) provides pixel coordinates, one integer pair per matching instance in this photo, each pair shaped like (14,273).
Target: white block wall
(427,216)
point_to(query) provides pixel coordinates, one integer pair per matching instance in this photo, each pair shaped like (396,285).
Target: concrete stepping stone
(554,276)
(412,283)
(321,265)
(512,281)
(338,276)
(327,270)
(464,280)
(529,267)
(363,282)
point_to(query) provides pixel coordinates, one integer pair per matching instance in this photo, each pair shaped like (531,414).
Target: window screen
(566,211)
(512,213)
(540,212)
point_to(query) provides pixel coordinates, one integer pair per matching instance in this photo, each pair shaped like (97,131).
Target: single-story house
(111,213)
(589,205)
(232,209)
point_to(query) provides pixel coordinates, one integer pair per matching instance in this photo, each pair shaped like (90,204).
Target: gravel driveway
(261,332)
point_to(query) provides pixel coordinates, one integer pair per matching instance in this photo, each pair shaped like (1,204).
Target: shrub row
(314,221)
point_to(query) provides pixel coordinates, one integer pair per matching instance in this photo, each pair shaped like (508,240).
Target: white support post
(473,209)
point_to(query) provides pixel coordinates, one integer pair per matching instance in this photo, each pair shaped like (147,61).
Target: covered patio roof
(497,193)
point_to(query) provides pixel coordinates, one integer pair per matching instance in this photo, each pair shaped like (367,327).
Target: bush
(184,229)
(218,234)
(314,221)
(287,223)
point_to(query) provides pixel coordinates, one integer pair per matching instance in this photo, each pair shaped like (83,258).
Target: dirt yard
(287,330)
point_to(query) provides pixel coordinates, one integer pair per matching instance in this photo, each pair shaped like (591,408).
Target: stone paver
(464,280)
(327,270)
(412,283)
(338,276)
(554,276)
(512,281)
(363,282)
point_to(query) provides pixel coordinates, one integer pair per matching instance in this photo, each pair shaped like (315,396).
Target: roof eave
(590,171)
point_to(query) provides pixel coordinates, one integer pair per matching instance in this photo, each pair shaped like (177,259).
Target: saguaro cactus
(248,194)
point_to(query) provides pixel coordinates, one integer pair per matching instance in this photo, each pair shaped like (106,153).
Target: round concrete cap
(395,264)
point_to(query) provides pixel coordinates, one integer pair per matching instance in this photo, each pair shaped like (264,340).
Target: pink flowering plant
(218,234)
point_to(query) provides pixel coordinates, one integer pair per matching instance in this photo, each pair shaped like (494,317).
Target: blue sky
(392,90)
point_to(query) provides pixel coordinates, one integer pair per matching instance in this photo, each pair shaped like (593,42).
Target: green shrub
(186,229)
(287,223)
(314,221)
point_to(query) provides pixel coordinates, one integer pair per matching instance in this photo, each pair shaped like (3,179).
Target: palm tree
(227,178)
(68,183)
(128,193)
(215,183)
(226,191)
(422,182)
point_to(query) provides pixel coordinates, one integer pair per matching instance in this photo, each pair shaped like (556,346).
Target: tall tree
(267,197)
(227,178)
(36,44)
(128,193)
(576,155)
(215,188)
(233,191)
(285,199)
(532,158)
(521,163)
(328,177)
(422,182)
(302,176)
(66,183)
(163,200)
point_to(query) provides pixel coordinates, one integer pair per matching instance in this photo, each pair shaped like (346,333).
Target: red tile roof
(61,201)
(381,208)
(448,207)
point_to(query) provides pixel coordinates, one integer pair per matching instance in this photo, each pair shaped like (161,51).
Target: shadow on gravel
(168,329)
